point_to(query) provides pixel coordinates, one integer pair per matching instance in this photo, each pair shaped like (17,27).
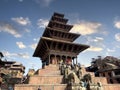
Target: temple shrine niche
(57,42)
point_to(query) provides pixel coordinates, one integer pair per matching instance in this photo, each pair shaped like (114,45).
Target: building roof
(58,14)
(4,71)
(111,66)
(109,63)
(57,39)
(17,63)
(45,44)
(56,33)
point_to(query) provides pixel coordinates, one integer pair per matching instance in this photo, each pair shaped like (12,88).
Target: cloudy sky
(22,23)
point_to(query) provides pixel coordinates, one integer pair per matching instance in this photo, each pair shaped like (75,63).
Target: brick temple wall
(50,79)
(60,87)
(43,87)
(45,79)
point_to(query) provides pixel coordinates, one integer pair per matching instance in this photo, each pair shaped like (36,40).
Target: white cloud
(6,27)
(117,22)
(20,45)
(86,28)
(110,50)
(96,39)
(117,37)
(24,55)
(45,3)
(95,49)
(117,46)
(27,30)
(33,46)
(42,23)
(22,21)
(7,54)
(12,55)
(36,39)
(20,0)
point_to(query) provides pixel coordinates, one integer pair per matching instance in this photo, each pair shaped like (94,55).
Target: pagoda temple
(56,45)
(57,42)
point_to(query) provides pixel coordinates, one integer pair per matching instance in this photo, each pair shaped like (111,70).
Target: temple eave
(47,44)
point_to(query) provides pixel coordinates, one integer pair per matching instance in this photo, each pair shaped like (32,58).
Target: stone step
(103,80)
(48,72)
(50,79)
(42,86)
(52,67)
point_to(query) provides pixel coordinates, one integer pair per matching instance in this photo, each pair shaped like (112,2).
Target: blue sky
(22,23)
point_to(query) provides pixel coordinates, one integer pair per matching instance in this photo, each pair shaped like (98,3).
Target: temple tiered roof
(57,39)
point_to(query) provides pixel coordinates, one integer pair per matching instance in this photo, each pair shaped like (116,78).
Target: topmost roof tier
(59,22)
(59,29)
(58,15)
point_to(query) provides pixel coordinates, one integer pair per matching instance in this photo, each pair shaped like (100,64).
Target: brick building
(11,72)
(108,67)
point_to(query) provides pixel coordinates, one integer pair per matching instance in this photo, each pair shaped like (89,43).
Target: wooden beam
(51,45)
(46,44)
(62,46)
(72,48)
(56,47)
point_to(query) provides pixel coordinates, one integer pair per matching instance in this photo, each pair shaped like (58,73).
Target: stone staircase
(50,79)
(45,79)
(103,80)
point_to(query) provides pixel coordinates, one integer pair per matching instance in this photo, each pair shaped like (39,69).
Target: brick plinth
(45,79)
(43,87)
(45,72)
(103,80)
(49,70)
(111,86)
(50,79)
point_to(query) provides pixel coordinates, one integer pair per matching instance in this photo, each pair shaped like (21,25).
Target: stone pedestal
(46,79)
(43,87)
(50,79)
